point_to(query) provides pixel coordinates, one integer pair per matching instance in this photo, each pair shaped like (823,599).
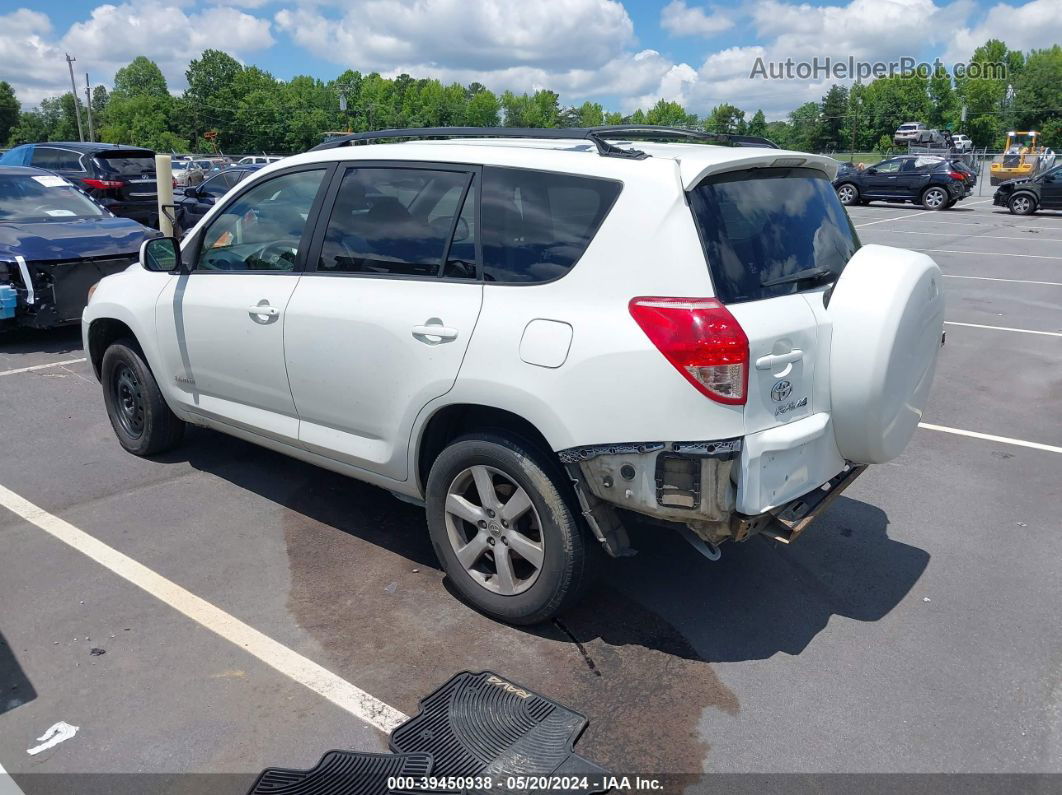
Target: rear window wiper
(798,276)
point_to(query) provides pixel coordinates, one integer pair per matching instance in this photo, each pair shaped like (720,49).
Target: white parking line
(42,366)
(994,279)
(893,218)
(984,253)
(1004,328)
(1050,448)
(7,784)
(290,663)
(972,237)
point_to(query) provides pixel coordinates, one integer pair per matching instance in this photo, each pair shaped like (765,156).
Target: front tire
(138,413)
(934,198)
(1022,204)
(504,531)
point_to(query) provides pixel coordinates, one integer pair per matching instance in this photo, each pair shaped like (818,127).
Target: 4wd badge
(781,391)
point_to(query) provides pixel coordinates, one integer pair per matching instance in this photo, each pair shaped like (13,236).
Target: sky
(623,53)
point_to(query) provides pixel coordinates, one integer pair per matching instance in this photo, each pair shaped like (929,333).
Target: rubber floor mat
(478,724)
(344,773)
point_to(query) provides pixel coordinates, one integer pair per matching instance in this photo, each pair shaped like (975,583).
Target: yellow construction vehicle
(1023,156)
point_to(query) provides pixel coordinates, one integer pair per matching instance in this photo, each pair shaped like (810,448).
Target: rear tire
(1022,204)
(492,494)
(934,198)
(138,413)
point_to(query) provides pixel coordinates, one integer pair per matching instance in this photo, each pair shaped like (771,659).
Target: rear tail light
(702,340)
(957,175)
(102,184)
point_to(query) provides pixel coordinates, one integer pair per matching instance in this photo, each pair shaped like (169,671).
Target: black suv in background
(1029,194)
(121,178)
(934,182)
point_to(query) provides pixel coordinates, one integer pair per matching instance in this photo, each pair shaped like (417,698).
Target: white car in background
(537,338)
(962,143)
(258,160)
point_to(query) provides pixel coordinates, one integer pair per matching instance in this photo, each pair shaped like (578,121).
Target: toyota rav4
(538,335)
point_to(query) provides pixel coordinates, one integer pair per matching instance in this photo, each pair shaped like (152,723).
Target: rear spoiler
(694,169)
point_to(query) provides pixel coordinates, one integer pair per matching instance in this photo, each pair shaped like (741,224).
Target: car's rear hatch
(777,244)
(134,169)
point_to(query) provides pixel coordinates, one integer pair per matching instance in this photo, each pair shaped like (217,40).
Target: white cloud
(465,34)
(32,56)
(679,19)
(1035,25)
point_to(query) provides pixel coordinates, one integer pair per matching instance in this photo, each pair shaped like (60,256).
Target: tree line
(230,107)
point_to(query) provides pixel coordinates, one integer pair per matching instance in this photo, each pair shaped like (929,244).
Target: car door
(220,325)
(881,179)
(914,176)
(379,324)
(1051,189)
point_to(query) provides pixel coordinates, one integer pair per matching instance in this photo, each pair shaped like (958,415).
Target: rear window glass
(537,224)
(763,224)
(128,165)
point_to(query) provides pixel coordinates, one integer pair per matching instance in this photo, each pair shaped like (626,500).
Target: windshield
(128,164)
(763,224)
(43,198)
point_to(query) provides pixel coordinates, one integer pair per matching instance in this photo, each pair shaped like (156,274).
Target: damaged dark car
(55,243)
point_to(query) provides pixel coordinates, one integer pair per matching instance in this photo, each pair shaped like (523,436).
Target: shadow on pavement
(65,339)
(15,687)
(636,655)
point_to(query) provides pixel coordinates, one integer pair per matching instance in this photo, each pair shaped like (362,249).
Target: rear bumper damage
(686,485)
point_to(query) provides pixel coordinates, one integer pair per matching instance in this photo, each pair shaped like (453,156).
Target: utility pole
(88,106)
(73,88)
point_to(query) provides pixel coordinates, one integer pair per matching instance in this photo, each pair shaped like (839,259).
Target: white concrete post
(164,178)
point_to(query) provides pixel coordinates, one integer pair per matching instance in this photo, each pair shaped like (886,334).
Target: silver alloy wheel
(935,198)
(847,194)
(1022,205)
(494,530)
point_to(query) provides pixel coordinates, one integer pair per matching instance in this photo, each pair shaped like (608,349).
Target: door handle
(263,309)
(768,362)
(440,333)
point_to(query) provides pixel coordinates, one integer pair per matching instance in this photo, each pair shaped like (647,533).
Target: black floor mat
(343,773)
(479,724)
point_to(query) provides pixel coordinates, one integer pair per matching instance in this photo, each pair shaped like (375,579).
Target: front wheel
(848,194)
(935,198)
(1022,204)
(138,413)
(504,531)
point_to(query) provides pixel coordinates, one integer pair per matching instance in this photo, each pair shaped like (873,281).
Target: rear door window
(398,221)
(761,225)
(537,224)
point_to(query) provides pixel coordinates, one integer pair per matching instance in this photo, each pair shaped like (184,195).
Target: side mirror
(160,254)
(191,191)
(871,171)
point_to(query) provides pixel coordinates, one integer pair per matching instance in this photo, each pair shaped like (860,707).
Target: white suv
(536,338)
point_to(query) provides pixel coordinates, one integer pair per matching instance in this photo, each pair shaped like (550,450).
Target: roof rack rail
(658,132)
(598,136)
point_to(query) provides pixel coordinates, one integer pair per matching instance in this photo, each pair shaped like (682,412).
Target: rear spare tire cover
(887,311)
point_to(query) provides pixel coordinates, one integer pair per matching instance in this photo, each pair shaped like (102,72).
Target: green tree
(725,118)
(984,94)
(943,105)
(757,124)
(805,127)
(668,114)
(834,115)
(540,109)
(1038,90)
(483,109)
(891,101)
(9,110)
(141,77)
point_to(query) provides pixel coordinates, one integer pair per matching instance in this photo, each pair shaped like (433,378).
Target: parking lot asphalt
(913,628)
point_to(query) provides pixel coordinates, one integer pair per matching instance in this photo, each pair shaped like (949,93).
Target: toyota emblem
(781,391)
